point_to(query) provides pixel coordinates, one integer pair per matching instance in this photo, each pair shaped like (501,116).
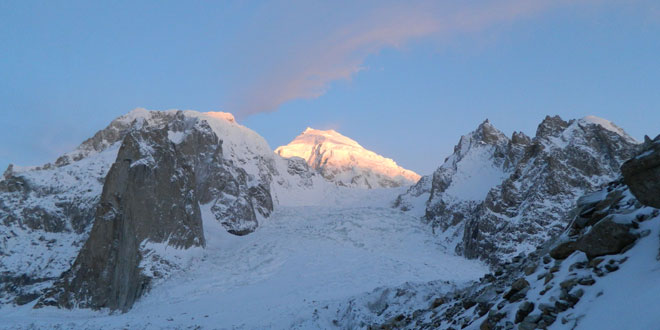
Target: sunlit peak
(222,115)
(343,159)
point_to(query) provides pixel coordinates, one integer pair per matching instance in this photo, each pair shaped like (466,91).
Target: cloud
(332,50)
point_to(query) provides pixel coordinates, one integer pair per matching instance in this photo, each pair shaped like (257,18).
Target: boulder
(605,238)
(524,310)
(642,173)
(563,249)
(518,290)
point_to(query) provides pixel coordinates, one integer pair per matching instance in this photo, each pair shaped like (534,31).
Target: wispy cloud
(339,48)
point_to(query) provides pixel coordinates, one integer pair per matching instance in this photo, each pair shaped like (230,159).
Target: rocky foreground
(559,285)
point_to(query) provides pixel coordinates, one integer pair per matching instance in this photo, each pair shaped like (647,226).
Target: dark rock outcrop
(517,291)
(524,310)
(605,237)
(642,173)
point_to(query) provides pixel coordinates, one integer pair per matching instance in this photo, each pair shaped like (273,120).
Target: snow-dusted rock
(642,173)
(496,197)
(345,162)
(152,194)
(154,168)
(611,289)
(45,217)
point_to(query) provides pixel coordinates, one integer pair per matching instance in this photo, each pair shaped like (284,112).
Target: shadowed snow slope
(344,161)
(293,272)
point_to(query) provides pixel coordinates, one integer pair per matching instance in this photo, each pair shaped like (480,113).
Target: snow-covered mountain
(496,196)
(141,179)
(600,273)
(182,219)
(148,205)
(345,162)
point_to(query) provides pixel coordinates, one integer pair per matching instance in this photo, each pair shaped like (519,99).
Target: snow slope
(481,160)
(627,298)
(295,271)
(342,160)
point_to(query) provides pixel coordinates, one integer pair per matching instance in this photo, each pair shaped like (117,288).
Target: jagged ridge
(522,188)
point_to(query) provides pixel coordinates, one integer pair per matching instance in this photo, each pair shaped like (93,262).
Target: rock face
(345,162)
(152,194)
(597,230)
(46,212)
(87,229)
(642,173)
(495,196)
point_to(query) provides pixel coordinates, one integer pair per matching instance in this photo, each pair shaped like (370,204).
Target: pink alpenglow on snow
(344,161)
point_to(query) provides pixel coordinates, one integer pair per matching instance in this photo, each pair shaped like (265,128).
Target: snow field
(301,259)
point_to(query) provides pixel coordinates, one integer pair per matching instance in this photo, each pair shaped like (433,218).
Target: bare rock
(642,173)
(517,291)
(152,194)
(606,237)
(524,310)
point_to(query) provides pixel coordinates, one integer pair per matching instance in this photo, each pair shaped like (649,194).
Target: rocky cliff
(91,218)
(600,273)
(152,194)
(496,197)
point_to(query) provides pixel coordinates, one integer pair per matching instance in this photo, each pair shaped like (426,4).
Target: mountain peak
(316,136)
(551,126)
(311,130)
(221,115)
(486,132)
(606,124)
(520,138)
(342,160)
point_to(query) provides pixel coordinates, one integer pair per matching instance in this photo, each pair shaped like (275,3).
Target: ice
(302,258)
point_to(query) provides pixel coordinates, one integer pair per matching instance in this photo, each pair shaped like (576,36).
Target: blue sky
(404,79)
